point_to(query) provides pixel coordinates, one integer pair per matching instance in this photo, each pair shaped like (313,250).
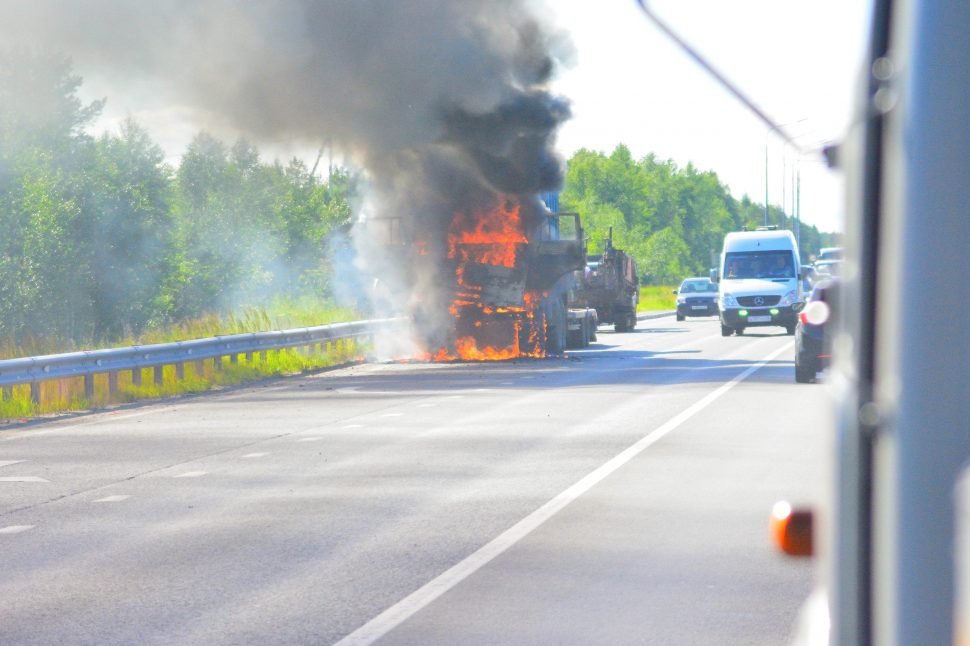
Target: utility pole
(798,204)
(766,182)
(784,186)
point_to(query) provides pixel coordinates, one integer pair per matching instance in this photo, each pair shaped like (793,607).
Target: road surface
(619,495)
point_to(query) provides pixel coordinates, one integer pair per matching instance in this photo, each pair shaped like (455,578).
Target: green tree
(664,258)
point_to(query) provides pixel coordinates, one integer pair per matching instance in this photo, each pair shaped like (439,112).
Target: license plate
(759,319)
(698,307)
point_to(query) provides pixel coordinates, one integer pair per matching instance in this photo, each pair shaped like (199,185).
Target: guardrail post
(249,357)
(234,358)
(180,370)
(6,392)
(112,383)
(89,387)
(35,392)
(262,356)
(217,363)
(159,375)
(200,368)
(136,376)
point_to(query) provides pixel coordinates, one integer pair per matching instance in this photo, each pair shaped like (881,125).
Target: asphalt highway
(618,495)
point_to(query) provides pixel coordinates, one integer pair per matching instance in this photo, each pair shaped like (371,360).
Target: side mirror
(715,277)
(802,274)
(673,291)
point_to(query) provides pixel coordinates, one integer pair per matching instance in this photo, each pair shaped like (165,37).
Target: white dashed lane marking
(426,405)
(191,474)
(250,456)
(22,479)
(392,415)
(309,439)
(117,498)
(15,529)
(350,426)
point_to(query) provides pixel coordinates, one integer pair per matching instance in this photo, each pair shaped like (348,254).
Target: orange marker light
(791,529)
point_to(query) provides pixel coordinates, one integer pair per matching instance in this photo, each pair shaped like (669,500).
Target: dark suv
(812,350)
(696,297)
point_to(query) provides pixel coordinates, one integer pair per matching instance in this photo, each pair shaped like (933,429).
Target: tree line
(101,238)
(671,220)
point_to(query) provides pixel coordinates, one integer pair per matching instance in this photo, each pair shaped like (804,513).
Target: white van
(759,281)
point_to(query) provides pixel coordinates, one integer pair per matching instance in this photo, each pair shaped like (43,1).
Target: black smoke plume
(444,103)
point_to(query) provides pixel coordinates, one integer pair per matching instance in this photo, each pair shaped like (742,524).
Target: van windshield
(759,264)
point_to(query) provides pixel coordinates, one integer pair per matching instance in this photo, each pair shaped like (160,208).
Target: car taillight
(803,318)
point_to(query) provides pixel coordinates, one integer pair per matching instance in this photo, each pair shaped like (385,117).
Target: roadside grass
(657,297)
(68,394)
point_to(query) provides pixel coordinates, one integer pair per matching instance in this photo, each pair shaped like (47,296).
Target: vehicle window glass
(759,264)
(697,286)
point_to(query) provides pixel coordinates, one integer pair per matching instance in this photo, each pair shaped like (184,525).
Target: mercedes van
(759,281)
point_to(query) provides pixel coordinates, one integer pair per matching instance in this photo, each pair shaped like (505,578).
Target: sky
(799,61)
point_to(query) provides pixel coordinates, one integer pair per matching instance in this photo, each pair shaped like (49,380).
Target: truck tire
(633,320)
(556,329)
(726,331)
(680,317)
(592,329)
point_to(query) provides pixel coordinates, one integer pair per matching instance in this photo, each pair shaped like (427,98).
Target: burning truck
(503,277)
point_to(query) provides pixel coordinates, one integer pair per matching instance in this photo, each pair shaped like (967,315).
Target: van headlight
(728,300)
(790,297)
(681,300)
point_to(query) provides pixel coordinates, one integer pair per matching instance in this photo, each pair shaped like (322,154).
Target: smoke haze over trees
(99,237)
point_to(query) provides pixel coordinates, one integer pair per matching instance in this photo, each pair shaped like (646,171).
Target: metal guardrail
(88,363)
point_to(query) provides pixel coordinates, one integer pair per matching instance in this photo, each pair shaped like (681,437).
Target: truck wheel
(592,330)
(556,332)
(633,320)
(585,331)
(726,331)
(739,331)
(790,329)
(680,317)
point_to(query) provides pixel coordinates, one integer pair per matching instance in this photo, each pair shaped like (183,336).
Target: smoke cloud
(444,103)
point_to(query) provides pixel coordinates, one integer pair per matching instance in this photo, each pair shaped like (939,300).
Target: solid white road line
(117,498)
(22,479)
(15,529)
(7,463)
(414,602)
(191,474)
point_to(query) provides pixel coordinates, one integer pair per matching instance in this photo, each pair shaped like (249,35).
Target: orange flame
(494,233)
(488,237)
